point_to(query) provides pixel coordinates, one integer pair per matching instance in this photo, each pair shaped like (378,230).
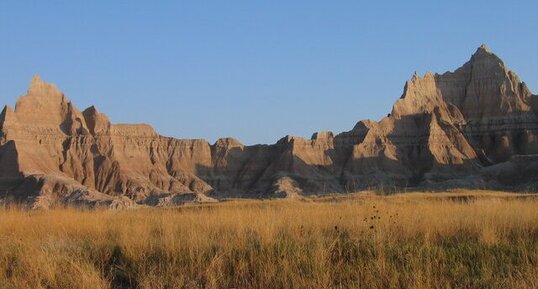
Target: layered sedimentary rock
(464,128)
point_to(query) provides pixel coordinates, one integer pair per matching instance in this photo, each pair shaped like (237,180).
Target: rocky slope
(476,126)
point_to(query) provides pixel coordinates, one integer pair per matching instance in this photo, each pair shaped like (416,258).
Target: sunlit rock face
(471,127)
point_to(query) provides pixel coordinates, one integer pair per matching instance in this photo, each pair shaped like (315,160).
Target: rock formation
(476,126)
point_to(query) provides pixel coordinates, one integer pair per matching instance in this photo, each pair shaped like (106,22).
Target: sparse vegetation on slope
(482,240)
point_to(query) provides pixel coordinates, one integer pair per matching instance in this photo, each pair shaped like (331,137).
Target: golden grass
(417,240)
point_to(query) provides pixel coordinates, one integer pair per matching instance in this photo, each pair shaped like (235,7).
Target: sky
(252,70)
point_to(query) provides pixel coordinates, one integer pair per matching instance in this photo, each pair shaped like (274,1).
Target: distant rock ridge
(469,128)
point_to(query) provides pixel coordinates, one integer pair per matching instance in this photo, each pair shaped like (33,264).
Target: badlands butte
(475,127)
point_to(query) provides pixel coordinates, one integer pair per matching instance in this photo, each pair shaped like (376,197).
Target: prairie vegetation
(414,240)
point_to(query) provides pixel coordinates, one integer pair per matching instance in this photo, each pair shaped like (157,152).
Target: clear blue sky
(254,70)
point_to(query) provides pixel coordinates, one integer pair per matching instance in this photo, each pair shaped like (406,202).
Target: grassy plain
(413,240)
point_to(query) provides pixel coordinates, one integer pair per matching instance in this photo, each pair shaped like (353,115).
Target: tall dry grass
(402,241)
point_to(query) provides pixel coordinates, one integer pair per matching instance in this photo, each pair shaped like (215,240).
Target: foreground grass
(484,240)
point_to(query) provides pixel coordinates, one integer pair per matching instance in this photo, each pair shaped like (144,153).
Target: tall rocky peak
(485,62)
(41,96)
(42,89)
(484,88)
(481,90)
(484,50)
(46,108)
(420,95)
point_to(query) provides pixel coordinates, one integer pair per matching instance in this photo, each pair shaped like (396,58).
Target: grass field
(414,240)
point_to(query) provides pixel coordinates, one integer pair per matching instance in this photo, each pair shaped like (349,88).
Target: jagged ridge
(461,128)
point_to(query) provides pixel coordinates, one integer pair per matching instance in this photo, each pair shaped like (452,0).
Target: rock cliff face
(471,127)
